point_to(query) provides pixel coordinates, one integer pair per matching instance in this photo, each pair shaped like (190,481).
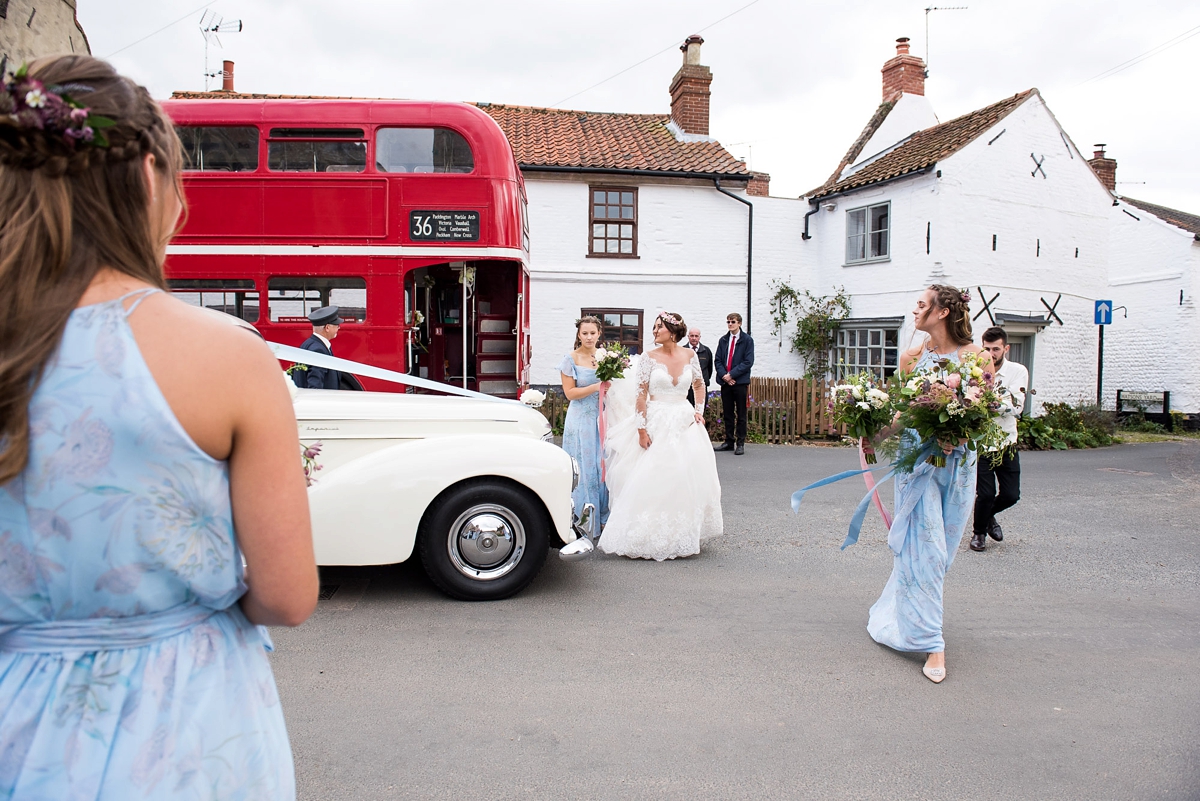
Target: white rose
(857,391)
(532,397)
(601,354)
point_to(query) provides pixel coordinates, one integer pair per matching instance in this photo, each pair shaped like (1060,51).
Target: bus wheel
(483,540)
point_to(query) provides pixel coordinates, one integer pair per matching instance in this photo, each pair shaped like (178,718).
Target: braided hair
(958,303)
(67,212)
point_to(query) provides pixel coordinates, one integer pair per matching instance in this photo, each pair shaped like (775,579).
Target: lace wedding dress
(666,499)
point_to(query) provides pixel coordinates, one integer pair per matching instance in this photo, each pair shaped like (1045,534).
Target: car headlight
(574,474)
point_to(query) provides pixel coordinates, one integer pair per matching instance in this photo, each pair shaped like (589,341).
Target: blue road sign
(1104,310)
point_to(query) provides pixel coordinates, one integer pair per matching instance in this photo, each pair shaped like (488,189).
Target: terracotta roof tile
(923,149)
(547,137)
(1180,219)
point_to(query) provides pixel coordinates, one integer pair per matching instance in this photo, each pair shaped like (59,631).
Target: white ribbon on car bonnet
(299,356)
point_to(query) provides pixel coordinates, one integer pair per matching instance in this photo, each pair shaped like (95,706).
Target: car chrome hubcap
(486,542)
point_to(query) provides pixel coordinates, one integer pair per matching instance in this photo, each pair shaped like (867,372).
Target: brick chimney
(689,90)
(759,184)
(227,76)
(1105,168)
(903,74)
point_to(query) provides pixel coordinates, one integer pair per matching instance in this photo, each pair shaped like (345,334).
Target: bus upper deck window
(219,149)
(317,150)
(422,150)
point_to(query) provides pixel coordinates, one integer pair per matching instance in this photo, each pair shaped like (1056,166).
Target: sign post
(1104,310)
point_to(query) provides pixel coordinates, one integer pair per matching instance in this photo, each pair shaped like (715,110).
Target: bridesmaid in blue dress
(581,430)
(149,517)
(932,504)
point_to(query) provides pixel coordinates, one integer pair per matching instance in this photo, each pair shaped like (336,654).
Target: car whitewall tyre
(484,539)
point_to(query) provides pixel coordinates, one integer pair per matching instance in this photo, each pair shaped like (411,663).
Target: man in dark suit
(705,356)
(325,322)
(734,358)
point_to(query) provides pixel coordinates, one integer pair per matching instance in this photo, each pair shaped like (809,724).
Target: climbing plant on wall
(817,318)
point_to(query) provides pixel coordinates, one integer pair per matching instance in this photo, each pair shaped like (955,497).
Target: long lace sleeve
(645,366)
(699,390)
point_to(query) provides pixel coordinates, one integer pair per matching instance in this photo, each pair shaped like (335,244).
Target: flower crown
(667,317)
(27,103)
(965,295)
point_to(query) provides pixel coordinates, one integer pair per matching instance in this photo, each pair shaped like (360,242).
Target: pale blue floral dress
(581,439)
(932,505)
(127,669)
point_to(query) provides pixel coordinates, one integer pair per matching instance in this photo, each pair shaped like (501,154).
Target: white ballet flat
(936,675)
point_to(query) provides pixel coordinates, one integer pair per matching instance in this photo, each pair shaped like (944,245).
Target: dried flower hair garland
(28,104)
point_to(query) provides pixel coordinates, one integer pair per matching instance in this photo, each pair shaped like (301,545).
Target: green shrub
(1063,426)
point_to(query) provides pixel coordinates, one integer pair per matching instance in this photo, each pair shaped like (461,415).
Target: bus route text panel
(443,226)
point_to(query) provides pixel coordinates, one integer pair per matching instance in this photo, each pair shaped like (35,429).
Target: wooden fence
(789,409)
(780,410)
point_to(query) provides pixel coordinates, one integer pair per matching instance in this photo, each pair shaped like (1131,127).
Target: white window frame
(868,234)
(846,359)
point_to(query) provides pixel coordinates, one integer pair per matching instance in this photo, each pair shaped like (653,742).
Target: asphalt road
(1073,658)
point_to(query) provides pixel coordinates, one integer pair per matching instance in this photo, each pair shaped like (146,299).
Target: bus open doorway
(464,319)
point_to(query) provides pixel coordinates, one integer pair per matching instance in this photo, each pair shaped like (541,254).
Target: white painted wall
(1153,348)
(692,261)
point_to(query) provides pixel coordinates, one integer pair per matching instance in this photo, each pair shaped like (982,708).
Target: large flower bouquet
(948,403)
(862,406)
(612,361)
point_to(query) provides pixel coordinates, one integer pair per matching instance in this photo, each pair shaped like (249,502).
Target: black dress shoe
(978,542)
(739,450)
(724,446)
(995,532)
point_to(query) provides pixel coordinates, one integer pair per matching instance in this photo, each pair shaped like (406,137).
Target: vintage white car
(474,484)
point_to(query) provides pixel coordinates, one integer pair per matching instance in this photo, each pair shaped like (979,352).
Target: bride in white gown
(664,495)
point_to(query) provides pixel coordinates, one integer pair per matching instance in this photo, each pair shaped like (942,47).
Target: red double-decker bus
(410,216)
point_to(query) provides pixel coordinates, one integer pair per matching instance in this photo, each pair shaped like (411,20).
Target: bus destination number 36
(443,226)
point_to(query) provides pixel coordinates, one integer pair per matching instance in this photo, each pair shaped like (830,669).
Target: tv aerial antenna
(929,9)
(210,25)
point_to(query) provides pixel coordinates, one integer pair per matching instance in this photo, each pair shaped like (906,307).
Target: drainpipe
(816,206)
(749,249)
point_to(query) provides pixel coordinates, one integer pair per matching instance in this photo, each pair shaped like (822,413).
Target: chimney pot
(904,73)
(227,76)
(691,49)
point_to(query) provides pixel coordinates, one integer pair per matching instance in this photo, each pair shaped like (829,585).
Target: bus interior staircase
(496,355)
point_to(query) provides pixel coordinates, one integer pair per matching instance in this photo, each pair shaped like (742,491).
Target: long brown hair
(958,321)
(65,213)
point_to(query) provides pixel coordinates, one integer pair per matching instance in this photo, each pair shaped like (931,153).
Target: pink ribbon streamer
(869,478)
(603,434)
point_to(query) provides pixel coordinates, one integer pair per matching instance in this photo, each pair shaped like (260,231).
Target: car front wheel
(484,540)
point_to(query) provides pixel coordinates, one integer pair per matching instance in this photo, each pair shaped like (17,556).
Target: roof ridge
(550,110)
(1176,217)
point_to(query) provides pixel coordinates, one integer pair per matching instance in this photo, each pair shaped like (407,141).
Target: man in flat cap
(325,322)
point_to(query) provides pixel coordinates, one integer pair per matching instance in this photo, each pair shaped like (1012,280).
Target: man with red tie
(734,358)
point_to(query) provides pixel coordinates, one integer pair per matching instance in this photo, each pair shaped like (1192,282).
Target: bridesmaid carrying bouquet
(581,430)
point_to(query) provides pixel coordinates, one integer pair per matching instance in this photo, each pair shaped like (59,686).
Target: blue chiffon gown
(581,439)
(127,669)
(933,505)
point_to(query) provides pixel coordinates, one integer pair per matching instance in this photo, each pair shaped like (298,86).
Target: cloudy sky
(793,81)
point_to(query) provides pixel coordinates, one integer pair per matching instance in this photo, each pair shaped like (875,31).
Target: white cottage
(999,200)
(632,214)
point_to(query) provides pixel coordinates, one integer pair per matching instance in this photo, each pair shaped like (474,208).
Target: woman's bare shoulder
(208,337)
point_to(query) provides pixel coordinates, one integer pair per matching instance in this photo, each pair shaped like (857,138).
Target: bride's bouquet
(862,406)
(950,402)
(611,362)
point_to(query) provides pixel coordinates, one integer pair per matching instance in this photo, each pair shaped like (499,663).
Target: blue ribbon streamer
(299,356)
(860,512)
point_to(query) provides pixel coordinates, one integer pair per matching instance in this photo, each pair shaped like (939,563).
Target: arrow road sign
(1104,312)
